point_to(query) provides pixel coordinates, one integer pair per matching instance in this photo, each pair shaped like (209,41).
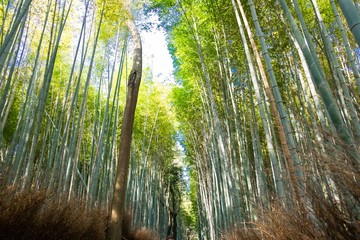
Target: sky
(156,54)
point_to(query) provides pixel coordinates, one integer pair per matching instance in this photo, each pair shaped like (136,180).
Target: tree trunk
(118,202)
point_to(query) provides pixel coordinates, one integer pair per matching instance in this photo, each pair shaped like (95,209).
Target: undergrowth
(37,215)
(329,210)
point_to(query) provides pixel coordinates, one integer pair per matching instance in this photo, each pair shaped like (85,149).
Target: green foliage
(114,18)
(154,124)
(12,119)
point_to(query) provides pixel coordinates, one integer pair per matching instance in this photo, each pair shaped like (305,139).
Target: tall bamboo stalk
(352,18)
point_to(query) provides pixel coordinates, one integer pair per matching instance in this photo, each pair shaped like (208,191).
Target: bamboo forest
(180,119)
